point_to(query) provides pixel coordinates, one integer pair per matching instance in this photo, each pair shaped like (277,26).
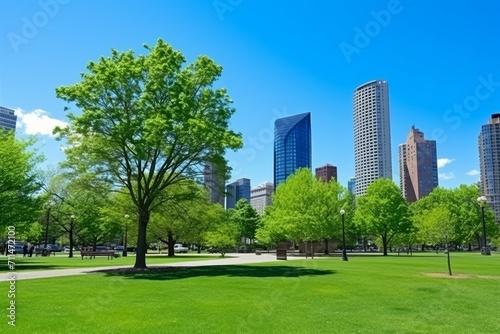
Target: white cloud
(473,172)
(446,176)
(444,161)
(37,121)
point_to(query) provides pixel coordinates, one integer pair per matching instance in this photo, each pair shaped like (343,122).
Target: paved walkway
(234,259)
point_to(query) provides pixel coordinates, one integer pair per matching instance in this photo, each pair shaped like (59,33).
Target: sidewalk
(234,259)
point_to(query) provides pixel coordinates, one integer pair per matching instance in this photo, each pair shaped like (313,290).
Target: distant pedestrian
(25,249)
(32,248)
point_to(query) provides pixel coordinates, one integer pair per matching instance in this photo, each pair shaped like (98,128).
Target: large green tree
(383,211)
(19,182)
(246,218)
(146,123)
(465,218)
(304,209)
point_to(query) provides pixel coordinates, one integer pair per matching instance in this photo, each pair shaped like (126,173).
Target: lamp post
(482,202)
(125,239)
(344,254)
(72,221)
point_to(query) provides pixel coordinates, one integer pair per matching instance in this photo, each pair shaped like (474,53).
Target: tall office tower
(214,181)
(418,172)
(351,185)
(489,163)
(372,135)
(236,191)
(326,173)
(260,196)
(7,119)
(292,145)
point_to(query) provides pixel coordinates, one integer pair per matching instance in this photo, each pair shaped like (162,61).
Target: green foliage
(224,235)
(383,211)
(185,212)
(19,182)
(305,209)
(465,214)
(147,123)
(246,218)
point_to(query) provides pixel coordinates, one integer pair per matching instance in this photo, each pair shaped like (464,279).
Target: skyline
(279,59)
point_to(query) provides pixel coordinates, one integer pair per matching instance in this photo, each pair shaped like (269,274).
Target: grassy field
(61,261)
(367,294)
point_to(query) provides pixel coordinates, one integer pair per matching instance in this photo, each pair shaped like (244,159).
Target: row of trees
(145,126)
(83,209)
(307,209)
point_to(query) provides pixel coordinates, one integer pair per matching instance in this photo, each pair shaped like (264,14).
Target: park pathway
(232,260)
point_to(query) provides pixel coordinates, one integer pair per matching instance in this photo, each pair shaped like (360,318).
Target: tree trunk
(170,243)
(384,243)
(326,247)
(140,258)
(198,246)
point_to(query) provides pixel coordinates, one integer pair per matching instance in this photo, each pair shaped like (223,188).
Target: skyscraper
(7,119)
(260,196)
(489,163)
(214,182)
(292,145)
(351,185)
(372,135)
(418,172)
(236,191)
(326,172)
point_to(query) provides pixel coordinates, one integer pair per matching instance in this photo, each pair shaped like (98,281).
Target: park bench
(92,254)
(43,252)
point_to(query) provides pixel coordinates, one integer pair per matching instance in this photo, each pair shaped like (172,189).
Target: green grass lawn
(61,261)
(367,294)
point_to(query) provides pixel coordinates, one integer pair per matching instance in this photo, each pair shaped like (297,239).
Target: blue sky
(441,61)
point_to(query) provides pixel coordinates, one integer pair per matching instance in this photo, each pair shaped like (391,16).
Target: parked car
(54,248)
(212,250)
(119,249)
(179,248)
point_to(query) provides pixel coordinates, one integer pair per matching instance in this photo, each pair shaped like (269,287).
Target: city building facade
(351,184)
(372,135)
(326,173)
(418,171)
(214,182)
(236,191)
(260,196)
(292,145)
(7,119)
(489,163)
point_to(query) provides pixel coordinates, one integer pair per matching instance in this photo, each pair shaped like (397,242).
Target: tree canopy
(146,123)
(383,211)
(19,182)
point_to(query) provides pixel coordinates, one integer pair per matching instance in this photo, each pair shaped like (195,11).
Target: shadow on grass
(173,273)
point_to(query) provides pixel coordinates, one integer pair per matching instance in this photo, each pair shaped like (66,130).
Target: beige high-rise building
(418,172)
(260,196)
(489,163)
(372,134)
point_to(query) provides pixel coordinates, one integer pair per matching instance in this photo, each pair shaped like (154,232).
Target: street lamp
(344,254)
(482,202)
(72,218)
(125,239)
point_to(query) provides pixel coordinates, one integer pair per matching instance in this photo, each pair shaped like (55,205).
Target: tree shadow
(174,273)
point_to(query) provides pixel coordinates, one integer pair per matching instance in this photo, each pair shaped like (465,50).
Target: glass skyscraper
(292,145)
(7,119)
